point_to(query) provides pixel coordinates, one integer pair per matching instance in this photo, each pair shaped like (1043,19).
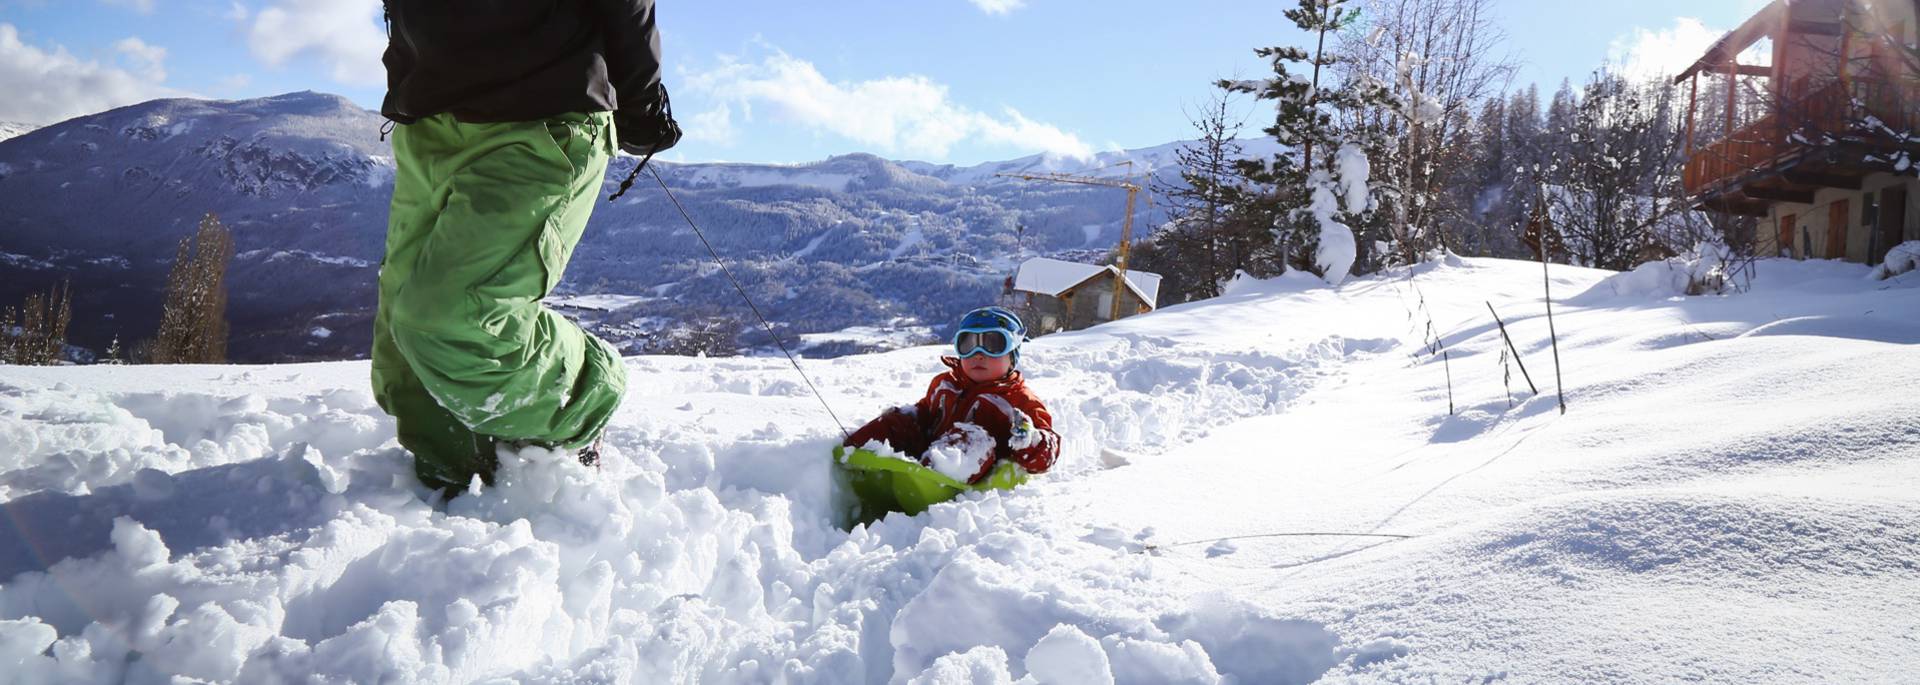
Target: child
(976,413)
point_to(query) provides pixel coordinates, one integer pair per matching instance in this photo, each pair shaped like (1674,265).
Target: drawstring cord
(628,184)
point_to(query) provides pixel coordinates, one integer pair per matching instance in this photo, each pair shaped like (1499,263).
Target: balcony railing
(1804,119)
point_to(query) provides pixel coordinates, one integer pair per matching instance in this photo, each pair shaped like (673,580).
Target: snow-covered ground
(898,333)
(1732,495)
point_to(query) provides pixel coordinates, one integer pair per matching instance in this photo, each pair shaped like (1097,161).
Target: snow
(1730,496)
(602,302)
(812,246)
(1066,655)
(1704,270)
(756,176)
(1900,259)
(1053,276)
(111,262)
(21,261)
(1355,172)
(960,454)
(333,260)
(9,129)
(898,333)
(1092,234)
(915,237)
(1335,251)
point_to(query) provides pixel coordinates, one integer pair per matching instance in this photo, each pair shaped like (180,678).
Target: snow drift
(1728,497)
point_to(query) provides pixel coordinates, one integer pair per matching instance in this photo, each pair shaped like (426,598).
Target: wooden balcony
(1782,156)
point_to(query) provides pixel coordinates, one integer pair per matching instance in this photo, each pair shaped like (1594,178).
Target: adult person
(505,114)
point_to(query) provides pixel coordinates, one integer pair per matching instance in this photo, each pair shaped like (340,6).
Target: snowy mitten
(963,453)
(1022,435)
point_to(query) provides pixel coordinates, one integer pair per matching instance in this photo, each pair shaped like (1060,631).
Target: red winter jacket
(1019,424)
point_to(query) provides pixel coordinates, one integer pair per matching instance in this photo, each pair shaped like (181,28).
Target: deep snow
(1733,495)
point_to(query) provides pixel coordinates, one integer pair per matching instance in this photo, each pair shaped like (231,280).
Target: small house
(1053,295)
(1825,161)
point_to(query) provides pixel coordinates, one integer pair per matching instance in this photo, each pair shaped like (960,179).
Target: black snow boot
(590,455)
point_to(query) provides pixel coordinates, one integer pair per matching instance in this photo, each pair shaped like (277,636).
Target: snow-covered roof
(1052,277)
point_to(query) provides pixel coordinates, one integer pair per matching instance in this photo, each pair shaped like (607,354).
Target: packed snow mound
(962,453)
(1900,259)
(1842,326)
(1708,269)
(259,524)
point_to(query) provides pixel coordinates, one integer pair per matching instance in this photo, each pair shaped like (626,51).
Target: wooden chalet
(1820,144)
(1053,295)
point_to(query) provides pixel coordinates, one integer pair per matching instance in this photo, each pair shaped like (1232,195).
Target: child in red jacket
(978,412)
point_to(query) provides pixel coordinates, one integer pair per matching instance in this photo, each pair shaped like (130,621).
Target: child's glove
(1022,434)
(1031,446)
(898,427)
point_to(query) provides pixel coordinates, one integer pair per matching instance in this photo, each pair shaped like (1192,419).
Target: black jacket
(520,60)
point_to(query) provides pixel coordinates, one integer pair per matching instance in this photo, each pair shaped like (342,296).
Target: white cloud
(1650,54)
(712,126)
(344,35)
(49,85)
(149,61)
(910,114)
(141,6)
(998,6)
(235,82)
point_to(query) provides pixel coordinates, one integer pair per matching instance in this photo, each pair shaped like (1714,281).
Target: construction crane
(1126,226)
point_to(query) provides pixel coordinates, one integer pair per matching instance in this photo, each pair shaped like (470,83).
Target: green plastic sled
(885,484)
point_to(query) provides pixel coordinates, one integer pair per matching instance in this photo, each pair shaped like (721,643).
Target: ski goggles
(993,342)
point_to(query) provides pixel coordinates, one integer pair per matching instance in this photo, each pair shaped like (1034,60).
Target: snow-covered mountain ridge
(304,180)
(10,129)
(1733,494)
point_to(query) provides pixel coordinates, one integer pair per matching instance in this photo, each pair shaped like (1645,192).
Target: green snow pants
(484,219)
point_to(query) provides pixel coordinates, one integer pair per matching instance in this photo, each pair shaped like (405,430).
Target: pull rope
(737,288)
(1287,535)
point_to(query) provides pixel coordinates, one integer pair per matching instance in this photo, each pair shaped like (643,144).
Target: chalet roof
(1052,276)
(1767,22)
(1723,51)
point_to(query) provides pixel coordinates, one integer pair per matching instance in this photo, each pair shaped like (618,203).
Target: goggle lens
(993,343)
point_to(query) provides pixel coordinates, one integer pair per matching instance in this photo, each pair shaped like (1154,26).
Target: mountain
(304,180)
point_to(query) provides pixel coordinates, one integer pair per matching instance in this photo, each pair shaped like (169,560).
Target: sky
(950,81)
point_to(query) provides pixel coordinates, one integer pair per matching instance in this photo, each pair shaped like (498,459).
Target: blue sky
(960,81)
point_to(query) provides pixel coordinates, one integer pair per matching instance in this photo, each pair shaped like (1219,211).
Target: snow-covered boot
(590,455)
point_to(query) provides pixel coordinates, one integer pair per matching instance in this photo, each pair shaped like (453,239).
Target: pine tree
(193,324)
(1435,61)
(1306,96)
(1198,248)
(36,333)
(1610,181)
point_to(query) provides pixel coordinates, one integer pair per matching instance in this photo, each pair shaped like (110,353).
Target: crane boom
(1126,226)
